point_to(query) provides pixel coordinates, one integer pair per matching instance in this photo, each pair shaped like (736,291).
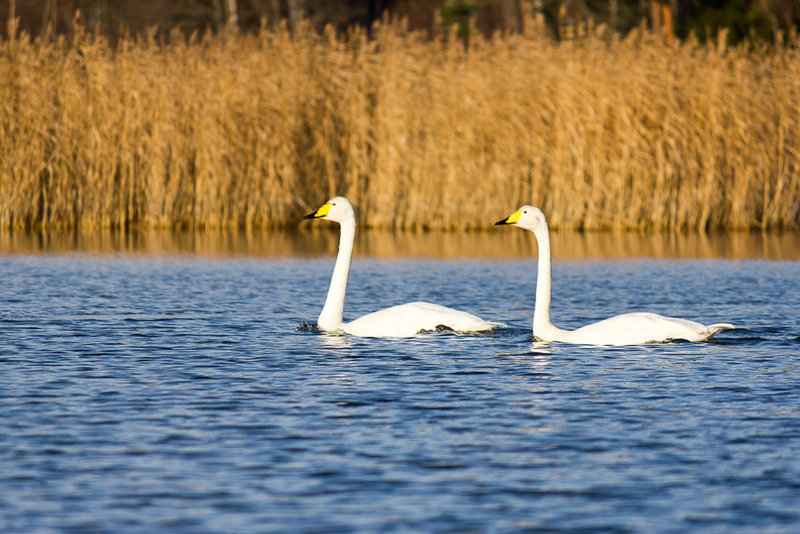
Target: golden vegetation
(221,131)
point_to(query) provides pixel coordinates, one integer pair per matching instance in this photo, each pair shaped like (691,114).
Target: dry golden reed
(602,132)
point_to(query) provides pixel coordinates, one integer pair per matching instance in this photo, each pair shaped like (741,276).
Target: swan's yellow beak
(514,217)
(322,212)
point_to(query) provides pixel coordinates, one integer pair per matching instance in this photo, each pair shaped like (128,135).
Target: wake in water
(309,327)
(305,326)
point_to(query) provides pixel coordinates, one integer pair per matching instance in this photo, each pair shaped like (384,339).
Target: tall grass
(602,132)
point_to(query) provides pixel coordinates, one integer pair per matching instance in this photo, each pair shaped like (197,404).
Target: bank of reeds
(602,132)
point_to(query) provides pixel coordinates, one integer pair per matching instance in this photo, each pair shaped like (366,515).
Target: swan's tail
(714,329)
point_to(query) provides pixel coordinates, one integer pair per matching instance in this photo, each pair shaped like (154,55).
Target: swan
(626,329)
(405,320)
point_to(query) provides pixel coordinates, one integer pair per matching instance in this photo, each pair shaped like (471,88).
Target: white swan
(404,320)
(627,329)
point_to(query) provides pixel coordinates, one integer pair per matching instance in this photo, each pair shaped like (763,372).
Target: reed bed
(225,131)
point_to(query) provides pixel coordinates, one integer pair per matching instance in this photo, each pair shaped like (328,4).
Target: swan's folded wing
(406,320)
(641,328)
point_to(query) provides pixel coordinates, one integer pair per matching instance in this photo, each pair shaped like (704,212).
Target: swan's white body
(626,329)
(410,319)
(405,320)
(631,329)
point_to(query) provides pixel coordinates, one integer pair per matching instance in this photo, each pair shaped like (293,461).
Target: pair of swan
(410,319)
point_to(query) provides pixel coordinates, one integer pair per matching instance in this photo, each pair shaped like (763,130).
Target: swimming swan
(627,329)
(404,320)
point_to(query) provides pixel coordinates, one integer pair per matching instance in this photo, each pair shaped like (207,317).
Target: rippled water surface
(174,393)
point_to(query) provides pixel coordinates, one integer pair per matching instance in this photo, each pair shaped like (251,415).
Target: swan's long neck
(541,313)
(331,316)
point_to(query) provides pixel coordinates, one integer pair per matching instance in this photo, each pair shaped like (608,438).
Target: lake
(159,382)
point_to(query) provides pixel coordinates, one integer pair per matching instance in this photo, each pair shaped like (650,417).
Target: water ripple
(180,395)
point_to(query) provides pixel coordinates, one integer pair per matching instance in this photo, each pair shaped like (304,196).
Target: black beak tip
(498,223)
(309,216)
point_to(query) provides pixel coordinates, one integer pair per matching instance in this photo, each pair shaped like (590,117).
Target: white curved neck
(331,316)
(541,313)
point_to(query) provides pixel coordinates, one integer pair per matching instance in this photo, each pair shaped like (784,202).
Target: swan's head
(527,217)
(337,209)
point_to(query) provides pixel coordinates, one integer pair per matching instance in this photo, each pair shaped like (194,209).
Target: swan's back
(410,319)
(640,328)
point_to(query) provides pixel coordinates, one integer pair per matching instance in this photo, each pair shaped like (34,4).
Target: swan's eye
(526,211)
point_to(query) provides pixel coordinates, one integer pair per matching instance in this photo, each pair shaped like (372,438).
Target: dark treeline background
(744,19)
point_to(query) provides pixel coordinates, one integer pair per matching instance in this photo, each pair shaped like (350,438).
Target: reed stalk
(233,130)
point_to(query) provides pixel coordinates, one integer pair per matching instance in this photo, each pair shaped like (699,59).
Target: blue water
(175,394)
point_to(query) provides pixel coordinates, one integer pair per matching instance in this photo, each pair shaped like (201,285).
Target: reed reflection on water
(387,244)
